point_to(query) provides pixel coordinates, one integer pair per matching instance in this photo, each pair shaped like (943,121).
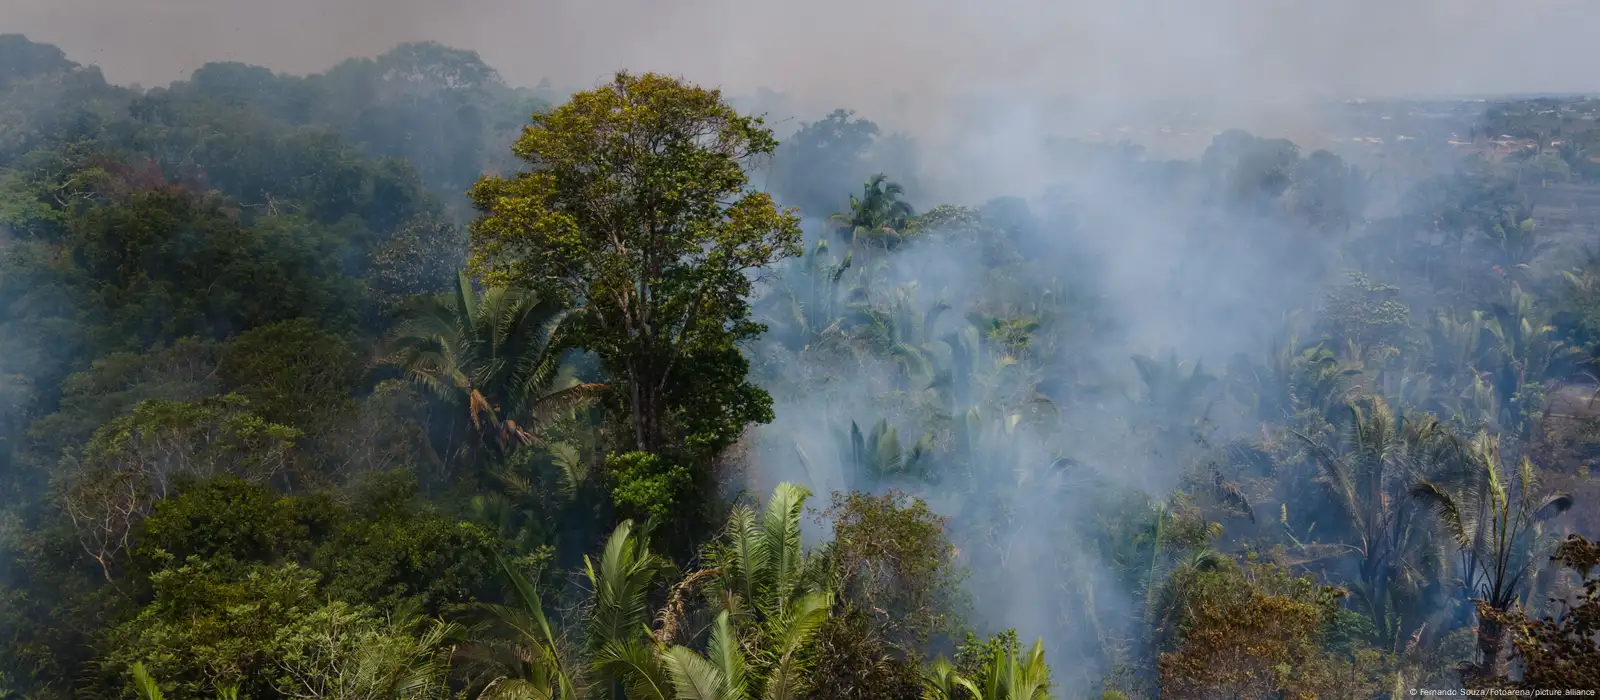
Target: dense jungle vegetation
(296,402)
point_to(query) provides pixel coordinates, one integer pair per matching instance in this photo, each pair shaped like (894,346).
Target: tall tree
(637,207)
(822,160)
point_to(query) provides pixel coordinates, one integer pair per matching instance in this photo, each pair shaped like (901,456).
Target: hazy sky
(855,50)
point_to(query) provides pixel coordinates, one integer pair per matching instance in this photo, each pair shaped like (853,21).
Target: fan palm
(496,354)
(1496,520)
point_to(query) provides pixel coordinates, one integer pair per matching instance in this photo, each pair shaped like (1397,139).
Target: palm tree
(896,332)
(807,302)
(766,591)
(1173,407)
(495,354)
(1496,520)
(776,670)
(527,661)
(146,688)
(878,455)
(763,568)
(1458,347)
(979,371)
(877,216)
(770,599)
(1380,455)
(619,612)
(1297,381)
(1007,676)
(1525,350)
(1180,545)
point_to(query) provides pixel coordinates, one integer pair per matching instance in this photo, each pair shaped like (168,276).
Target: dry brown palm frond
(476,405)
(1232,496)
(673,612)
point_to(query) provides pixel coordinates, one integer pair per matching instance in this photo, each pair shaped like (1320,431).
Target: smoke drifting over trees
(1123,327)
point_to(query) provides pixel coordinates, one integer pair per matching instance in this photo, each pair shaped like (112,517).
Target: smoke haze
(861,53)
(942,70)
(980,85)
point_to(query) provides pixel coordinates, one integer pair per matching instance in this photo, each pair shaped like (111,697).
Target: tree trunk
(648,409)
(1491,642)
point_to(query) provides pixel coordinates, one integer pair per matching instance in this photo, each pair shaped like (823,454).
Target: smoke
(1225,51)
(976,81)
(1113,258)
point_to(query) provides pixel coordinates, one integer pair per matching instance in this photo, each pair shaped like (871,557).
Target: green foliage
(892,557)
(113,384)
(212,625)
(226,517)
(649,486)
(420,258)
(43,191)
(876,218)
(713,403)
(527,658)
(1496,518)
(333,651)
(203,490)
(822,160)
(975,656)
(24,59)
(162,439)
(293,372)
(655,242)
(1367,317)
(408,555)
(994,669)
(169,265)
(344,651)
(1248,170)
(137,459)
